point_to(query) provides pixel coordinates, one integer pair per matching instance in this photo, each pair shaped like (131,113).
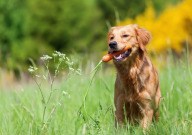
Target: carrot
(108,57)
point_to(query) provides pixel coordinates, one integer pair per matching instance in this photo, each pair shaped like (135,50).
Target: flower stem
(43,99)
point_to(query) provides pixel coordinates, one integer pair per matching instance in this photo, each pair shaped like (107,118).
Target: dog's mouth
(122,56)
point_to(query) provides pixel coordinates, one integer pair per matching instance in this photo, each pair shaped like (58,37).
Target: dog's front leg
(120,114)
(147,118)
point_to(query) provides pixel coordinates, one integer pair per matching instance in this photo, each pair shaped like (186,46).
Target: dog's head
(132,35)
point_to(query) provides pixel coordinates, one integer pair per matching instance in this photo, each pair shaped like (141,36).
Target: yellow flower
(169,30)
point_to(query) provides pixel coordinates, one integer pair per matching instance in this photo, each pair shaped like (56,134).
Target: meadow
(74,101)
(67,113)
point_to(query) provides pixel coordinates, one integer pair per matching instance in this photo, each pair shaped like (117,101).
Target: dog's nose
(113,44)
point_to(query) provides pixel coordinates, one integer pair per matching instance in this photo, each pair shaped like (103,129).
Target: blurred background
(32,28)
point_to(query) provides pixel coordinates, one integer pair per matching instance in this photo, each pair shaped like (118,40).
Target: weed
(61,62)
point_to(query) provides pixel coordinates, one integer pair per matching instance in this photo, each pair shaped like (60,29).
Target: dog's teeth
(117,57)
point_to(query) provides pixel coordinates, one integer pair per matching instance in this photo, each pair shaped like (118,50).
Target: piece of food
(108,57)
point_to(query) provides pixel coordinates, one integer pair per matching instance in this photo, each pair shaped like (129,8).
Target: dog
(137,88)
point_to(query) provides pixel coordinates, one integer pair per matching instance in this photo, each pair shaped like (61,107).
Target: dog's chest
(132,80)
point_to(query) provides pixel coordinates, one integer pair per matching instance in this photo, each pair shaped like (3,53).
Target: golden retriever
(137,88)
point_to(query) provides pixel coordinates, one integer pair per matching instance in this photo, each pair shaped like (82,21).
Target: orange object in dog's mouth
(123,55)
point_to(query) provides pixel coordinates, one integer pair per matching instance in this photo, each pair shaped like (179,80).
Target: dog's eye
(125,35)
(111,38)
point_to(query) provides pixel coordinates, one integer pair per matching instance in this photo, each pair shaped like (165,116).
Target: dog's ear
(143,37)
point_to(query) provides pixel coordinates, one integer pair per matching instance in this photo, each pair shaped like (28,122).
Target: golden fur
(137,88)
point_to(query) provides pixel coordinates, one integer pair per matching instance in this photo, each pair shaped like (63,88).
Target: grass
(21,111)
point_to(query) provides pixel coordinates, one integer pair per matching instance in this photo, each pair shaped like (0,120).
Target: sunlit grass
(21,111)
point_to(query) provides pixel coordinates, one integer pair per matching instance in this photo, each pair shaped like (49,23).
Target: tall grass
(21,111)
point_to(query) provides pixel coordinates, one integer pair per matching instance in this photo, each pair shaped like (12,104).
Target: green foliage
(122,9)
(31,28)
(160,5)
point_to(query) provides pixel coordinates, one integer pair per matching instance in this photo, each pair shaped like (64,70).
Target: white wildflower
(79,69)
(58,53)
(68,63)
(77,72)
(63,56)
(44,77)
(30,70)
(37,75)
(69,96)
(67,58)
(65,93)
(46,57)
(54,54)
(61,59)
(71,69)
(43,58)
